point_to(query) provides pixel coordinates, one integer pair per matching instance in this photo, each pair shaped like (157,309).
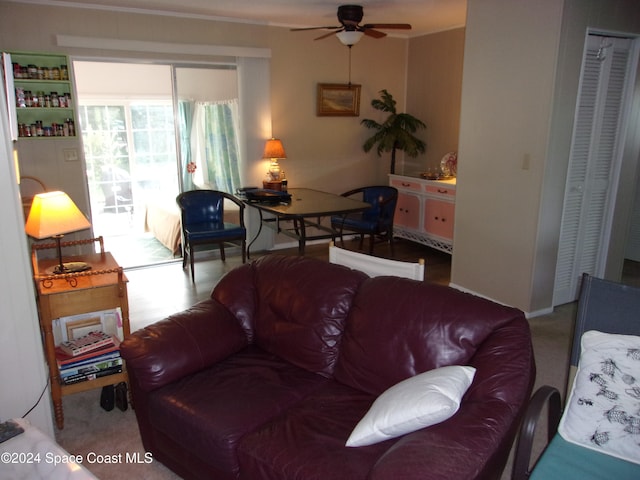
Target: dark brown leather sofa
(268,377)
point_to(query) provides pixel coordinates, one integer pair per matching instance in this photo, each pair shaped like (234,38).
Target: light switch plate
(70,154)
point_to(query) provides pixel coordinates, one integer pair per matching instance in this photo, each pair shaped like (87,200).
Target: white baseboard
(528,315)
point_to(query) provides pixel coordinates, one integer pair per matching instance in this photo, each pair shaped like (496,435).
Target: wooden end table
(103,287)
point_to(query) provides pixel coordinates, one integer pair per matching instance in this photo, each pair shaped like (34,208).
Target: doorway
(596,161)
(136,128)
(128,133)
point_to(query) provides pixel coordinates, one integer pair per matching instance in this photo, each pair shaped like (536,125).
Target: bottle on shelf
(43,103)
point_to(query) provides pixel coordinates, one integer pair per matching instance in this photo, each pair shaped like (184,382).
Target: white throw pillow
(603,410)
(417,402)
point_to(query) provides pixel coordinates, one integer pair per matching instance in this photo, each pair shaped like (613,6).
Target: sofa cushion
(308,440)
(212,409)
(302,308)
(417,402)
(398,328)
(236,291)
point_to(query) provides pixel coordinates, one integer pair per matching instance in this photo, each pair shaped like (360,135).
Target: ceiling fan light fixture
(349,38)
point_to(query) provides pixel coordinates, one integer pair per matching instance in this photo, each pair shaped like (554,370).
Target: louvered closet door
(593,165)
(633,244)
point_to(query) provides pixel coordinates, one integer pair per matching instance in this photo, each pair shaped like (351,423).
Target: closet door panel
(594,160)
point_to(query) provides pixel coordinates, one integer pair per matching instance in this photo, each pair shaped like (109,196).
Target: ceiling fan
(350,31)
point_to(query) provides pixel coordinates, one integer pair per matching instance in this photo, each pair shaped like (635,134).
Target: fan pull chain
(350,64)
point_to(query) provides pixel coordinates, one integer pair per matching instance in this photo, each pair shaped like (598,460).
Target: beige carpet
(111,437)
(88,428)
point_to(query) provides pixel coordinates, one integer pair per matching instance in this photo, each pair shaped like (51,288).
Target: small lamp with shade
(273,151)
(52,215)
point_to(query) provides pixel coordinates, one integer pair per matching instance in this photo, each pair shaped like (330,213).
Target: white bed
(162,219)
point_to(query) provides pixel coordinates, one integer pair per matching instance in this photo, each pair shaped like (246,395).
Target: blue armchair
(202,215)
(376,221)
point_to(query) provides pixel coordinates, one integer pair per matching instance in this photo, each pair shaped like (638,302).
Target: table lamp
(52,215)
(273,150)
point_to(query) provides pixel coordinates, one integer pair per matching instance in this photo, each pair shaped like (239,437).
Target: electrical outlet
(70,154)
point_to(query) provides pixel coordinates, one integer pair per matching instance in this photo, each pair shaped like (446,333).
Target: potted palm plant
(395,133)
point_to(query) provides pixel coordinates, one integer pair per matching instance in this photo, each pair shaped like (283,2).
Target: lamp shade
(273,149)
(54,213)
(349,37)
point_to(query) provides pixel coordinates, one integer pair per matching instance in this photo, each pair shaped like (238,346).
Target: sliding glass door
(150,131)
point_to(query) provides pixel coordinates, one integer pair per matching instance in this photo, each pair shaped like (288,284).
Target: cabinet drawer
(406,185)
(73,302)
(440,190)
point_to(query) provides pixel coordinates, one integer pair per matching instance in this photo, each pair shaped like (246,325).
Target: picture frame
(69,328)
(338,100)
(79,328)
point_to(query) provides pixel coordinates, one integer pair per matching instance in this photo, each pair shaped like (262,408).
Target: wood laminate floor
(156,292)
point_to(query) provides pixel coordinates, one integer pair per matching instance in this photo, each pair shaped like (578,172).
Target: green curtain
(185,111)
(214,146)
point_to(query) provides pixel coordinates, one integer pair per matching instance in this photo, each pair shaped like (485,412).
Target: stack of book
(89,357)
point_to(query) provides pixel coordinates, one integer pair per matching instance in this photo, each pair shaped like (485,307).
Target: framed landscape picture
(338,100)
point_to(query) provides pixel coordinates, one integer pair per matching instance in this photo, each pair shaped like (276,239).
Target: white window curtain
(214,145)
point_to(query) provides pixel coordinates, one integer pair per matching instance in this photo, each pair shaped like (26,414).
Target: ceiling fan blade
(392,26)
(315,28)
(328,35)
(373,33)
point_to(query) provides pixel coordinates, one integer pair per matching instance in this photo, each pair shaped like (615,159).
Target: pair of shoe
(114,395)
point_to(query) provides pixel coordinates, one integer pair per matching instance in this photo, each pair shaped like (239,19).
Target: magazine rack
(103,287)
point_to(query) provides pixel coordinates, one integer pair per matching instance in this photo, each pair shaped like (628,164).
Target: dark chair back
(605,306)
(201,206)
(203,222)
(383,201)
(375,221)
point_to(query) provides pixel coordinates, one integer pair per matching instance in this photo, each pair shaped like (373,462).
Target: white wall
(622,16)
(109,79)
(23,375)
(207,85)
(507,93)
(521,72)
(434,86)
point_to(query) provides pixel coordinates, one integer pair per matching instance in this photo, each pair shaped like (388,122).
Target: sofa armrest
(182,344)
(464,446)
(545,396)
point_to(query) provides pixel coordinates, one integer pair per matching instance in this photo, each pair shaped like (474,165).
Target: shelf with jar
(43,95)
